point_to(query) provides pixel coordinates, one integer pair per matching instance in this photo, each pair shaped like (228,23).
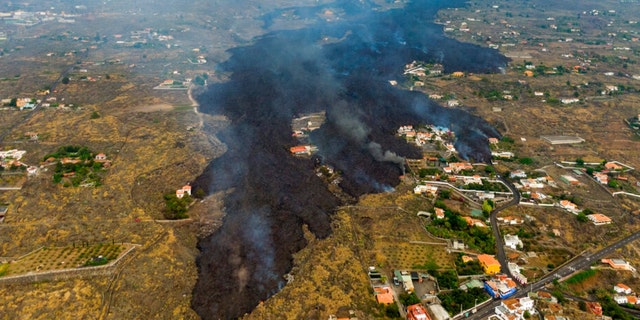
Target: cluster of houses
(10,159)
(422,70)
(501,286)
(30,18)
(624,295)
(514,309)
(427,135)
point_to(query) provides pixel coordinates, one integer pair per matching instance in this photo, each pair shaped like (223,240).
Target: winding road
(581,262)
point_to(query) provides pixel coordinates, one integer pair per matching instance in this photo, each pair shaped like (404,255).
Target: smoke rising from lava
(290,72)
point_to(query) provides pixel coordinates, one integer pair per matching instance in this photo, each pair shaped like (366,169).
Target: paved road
(501,255)
(580,262)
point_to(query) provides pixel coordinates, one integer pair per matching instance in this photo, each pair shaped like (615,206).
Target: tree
(486,207)
(613,184)
(582,217)
(582,305)
(526,314)
(526,161)
(580,162)
(65,80)
(392,311)
(408,299)
(95,115)
(445,193)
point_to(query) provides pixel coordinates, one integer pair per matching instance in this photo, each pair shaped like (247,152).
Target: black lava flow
(288,73)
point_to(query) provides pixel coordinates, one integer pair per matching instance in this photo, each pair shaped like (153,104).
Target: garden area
(76,166)
(454,226)
(50,259)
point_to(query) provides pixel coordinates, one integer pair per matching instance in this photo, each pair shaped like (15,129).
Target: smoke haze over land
(343,67)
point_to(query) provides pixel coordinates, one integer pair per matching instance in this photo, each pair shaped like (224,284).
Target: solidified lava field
(290,72)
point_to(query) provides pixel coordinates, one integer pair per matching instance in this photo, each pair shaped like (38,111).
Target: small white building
(622,288)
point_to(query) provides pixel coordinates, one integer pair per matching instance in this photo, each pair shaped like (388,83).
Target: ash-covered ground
(290,72)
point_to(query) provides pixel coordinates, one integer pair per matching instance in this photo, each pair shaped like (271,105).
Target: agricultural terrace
(50,259)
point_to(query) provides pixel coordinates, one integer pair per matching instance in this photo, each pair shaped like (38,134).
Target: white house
(425,189)
(512,241)
(518,174)
(622,288)
(186,190)
(620,299)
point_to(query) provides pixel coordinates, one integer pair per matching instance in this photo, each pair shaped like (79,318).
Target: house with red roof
(383,295)
(186,190)
(622,288)
(417,312)
(595,308)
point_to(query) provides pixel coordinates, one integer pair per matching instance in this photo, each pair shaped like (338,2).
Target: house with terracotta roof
(383,295)
(489,264)
(101,157)
(474,222)
(599,219)
(501,286)
(186,190)
(417,312)
(460,166)
(602,178)
(618,264)
(439,213)
(512,309)
(493,140)
(300,150)
(510,220)
(569,206)
(426,189)
(622,288)
(612,166)
(595,308)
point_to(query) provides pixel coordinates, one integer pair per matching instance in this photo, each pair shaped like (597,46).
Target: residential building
(407,283)
(474,222)
(512,241)
(489,264)
(101,157)
(599,219)
(493,140)
(502,154)
(613,166)
(531,184)
(618,264)
(517,174)
(510,220)
(602,178)
(569,180)
(383,295)
(186,190)
(426,189)
(595,308)
(460,166)
(512,309)
(439,213)
(438,312)
(300,150)
(569,206)
(620,299)
(417,312)
(500,286)
(476,179)
(458,245)
(622,288)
